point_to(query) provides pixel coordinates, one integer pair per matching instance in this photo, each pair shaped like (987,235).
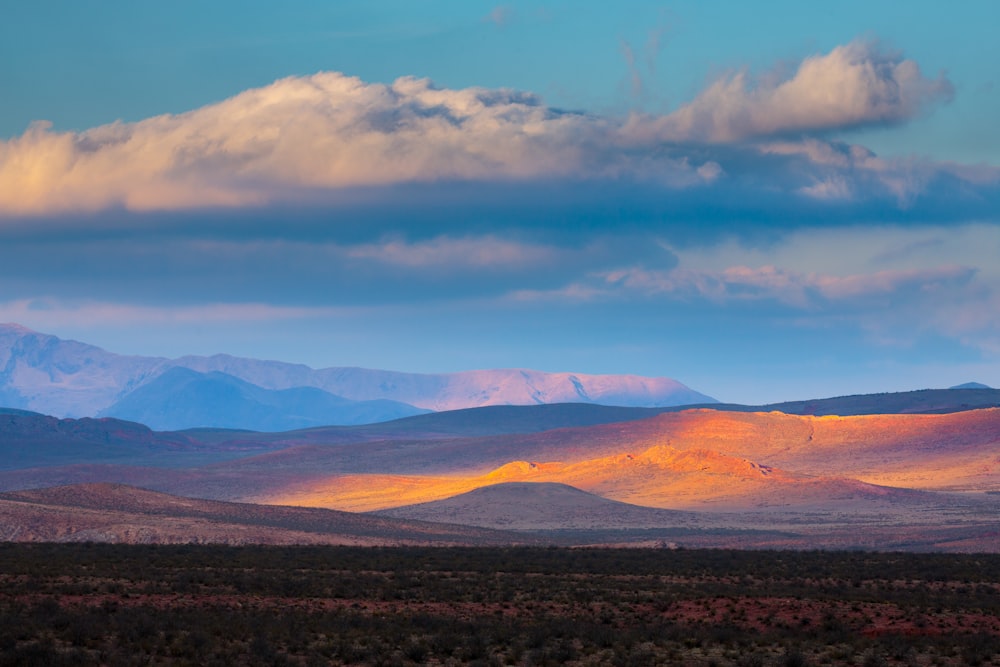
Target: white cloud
(835,187)
(854,85)
(328,132)
(322,131)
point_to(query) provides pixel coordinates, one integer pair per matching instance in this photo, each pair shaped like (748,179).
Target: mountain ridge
(67,378)
(181,398)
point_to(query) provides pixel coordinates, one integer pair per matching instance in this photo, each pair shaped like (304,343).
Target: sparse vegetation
(183,604)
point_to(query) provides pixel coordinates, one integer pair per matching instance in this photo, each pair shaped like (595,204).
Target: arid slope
(118,513)
(696,458)
(659,477)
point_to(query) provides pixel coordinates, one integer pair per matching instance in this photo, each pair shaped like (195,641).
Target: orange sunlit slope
(705,458)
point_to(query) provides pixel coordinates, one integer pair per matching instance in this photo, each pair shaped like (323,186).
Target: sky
(765,201)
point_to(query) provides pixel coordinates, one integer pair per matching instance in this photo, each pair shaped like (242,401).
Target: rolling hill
(118,513)
(930,522)
(520,419)
(926,478)
(541,506)
(659,477)
(29,439)
(695,458)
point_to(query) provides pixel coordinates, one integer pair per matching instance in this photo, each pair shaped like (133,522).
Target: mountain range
(907,481)
(66,378)
(913,470)
(181,398)
(565,473)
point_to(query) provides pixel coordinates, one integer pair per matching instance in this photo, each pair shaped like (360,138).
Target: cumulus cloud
(854,85)
(322,132)
(315,138)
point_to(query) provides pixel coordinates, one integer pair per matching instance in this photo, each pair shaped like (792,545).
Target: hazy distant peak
(14,327)
(971,385)
(72,379)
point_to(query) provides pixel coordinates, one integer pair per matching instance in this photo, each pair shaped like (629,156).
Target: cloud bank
(324,131)
(322,135)
(800,290)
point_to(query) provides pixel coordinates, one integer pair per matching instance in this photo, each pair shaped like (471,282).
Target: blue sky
(766,202)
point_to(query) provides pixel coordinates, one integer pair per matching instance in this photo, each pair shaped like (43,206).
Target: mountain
(453,391)
(119,513)
(66,378)
(971,385)
(181,399)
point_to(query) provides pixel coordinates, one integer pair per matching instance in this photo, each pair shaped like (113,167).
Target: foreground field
(121,605)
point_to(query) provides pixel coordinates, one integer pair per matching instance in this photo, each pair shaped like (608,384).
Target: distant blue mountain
(67,378)
(971,385)
(181,398)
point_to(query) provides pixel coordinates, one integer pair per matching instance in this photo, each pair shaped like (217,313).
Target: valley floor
(184,604)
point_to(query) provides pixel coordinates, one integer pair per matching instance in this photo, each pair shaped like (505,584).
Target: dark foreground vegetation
(131,605)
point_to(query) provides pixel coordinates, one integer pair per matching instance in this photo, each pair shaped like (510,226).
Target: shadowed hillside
(541,506)
(118,513)
(28,439)
(972,396)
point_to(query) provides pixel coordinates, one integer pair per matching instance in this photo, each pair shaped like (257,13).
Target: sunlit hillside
(704,458)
